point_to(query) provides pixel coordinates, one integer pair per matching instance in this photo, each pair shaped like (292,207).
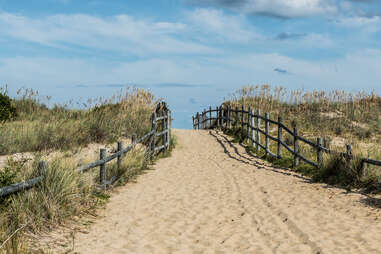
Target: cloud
(224,27)
(121,33)
(281,71)
(275,8)
(286,36)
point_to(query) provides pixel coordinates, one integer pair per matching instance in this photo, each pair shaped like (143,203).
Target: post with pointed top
(102,167)
(258,134)
(279,154)
(296,147)
(267,129)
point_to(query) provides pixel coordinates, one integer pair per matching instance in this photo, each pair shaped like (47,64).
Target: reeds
(339,117)
(38,127)
(63,193)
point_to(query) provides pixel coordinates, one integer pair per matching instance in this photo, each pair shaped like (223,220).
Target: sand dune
(210,196)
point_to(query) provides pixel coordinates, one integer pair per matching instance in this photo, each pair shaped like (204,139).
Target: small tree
(7,110)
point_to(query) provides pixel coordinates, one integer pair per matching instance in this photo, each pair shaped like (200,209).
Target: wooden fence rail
(161,115)
(250,122)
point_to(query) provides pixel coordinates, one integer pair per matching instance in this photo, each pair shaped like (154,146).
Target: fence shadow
(253,161)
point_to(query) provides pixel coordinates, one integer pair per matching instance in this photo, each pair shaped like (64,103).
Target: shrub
(7,110)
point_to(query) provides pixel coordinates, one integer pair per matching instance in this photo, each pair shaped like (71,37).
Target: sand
(211,196)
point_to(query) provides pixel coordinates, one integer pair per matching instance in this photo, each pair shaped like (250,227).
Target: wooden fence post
(279,154)
(193,123)
(163,137)
(235,116)
(198,121)
(349,155)
(249,116)
(217,117)
(319,151)
(242,119)
(119,160)
(258,139)
(229,116)
(267,127)
(296,148)
(252,127)
(168,128)
(154,132)
(102,167)
(42,167)
(210,116)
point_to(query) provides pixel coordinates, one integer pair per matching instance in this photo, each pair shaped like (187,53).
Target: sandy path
(211,197)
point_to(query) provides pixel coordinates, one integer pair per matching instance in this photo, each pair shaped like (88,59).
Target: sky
(191,53)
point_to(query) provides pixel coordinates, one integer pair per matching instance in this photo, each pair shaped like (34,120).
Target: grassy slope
(340,118)
(63,192)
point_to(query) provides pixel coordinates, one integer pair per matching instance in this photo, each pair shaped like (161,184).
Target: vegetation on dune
(37,127)
(64,193)
(340,118)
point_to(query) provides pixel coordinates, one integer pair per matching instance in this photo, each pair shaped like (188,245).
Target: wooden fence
(252,129)
(157,140)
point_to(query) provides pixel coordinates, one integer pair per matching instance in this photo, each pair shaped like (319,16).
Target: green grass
(64,193)
(335,170)
(61,127)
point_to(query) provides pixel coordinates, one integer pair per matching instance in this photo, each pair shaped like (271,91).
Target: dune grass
(64,193)
(38,127)
(340,118)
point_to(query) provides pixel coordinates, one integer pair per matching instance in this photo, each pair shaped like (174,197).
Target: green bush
(7,110)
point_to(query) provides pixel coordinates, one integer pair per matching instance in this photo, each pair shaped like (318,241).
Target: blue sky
(193,53)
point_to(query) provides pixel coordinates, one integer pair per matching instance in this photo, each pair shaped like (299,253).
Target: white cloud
(224,27)
(118,33)
(348,72)
(291,8)
(278,8)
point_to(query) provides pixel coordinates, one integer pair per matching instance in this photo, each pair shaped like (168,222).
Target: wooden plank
(16,187)
(286,129)
(373,162)
(161,118)
(308,142)
(287,147)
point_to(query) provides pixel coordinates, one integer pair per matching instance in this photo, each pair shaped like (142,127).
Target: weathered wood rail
(252,129)
(161,127)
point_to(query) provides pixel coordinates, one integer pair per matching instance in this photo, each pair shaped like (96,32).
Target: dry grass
(64,193)
(39,128)
(340,118)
